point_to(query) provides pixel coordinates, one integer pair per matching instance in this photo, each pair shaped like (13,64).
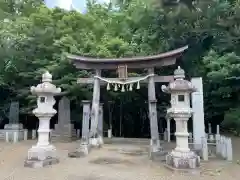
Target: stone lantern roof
(46,86)
(179,83)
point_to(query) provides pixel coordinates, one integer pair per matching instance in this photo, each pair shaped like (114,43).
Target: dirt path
(10,158)
(108,163)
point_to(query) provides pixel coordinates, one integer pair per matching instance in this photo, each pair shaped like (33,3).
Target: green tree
(34,38)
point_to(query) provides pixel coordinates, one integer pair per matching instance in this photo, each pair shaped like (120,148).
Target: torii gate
(126,83)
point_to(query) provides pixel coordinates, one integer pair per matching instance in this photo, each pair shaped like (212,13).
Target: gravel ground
(107,163)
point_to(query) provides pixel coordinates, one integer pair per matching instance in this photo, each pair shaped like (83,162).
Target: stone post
(217,138)
(43,153)
(6,136)
(210,135)
(198,112)
(94,137)
(211,138)
(204,149)
(223,147)
(180,90)
(218,143)
(229,149)
(109,133)
(15,137)
(25,134)
(218,129)
(152,105)
(85,119)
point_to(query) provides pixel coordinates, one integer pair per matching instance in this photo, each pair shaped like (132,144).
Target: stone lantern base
(82,151)
(40,156)
(182,161)
(155,146)
(96,142)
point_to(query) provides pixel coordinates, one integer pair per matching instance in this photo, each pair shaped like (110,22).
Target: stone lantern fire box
(180,89)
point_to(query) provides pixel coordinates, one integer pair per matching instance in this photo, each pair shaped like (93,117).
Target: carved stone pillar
(155,142)
(100,123)
(84,147)
(85,119)
(168,129)
(198,112)
(94,139)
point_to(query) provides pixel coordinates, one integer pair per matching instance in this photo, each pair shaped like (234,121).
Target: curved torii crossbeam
(163,59)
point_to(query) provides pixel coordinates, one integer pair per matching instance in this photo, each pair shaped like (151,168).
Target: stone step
(116,140)
(159,156)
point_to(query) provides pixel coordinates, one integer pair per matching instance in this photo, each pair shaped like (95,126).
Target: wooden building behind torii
(122,64)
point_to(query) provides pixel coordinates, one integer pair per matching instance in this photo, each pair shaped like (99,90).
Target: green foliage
(34,38)
(232,120)
(221,91)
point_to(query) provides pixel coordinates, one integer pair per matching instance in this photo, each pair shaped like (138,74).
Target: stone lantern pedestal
(82,151)
(180,89)
(43,153)
(182,157)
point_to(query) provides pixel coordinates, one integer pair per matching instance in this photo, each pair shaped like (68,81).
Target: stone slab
(82,151)
(35,163)
(158,156)
(41,153)
(197,152)
(13,126)
(14,113)
(185,162)
(63,133)
(76,154)
(196,171)
(60,138)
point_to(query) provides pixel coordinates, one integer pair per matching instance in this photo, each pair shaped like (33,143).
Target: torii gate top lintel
(163,59)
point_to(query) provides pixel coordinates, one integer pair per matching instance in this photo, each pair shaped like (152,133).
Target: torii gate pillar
(152,105)
(95,138)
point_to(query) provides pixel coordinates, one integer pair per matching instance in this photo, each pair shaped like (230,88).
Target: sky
(66,4)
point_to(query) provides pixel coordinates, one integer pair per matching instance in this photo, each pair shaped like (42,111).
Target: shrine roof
(163,59)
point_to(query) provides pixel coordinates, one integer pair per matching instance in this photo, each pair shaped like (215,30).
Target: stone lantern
(43,153)
(180,89)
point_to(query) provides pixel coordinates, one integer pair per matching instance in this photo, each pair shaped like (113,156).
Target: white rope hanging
(124,85)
